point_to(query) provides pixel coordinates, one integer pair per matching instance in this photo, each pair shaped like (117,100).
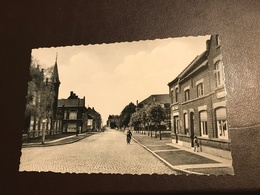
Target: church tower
(56,85)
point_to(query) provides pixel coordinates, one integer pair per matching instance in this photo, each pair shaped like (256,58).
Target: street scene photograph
(142,107)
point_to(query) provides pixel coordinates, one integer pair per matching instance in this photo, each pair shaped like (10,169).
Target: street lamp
(43,130)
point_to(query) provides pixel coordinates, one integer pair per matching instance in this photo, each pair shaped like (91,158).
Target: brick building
(198,103)
(72,117)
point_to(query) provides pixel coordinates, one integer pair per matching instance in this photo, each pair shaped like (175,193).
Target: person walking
(128,136)
(196,144)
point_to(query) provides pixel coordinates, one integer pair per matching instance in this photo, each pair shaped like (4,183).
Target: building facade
(72,117)
(198,103)
(42,100)
(94,120)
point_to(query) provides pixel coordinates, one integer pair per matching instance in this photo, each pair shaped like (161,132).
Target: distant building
(74,117)
(198,103)
(94,120)
(161,99)
(72,114)
(113,121)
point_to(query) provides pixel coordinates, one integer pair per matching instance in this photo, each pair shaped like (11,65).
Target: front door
(192,127)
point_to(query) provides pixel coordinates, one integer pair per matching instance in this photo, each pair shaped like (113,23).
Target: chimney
(207,45)
(136,102)
(37,66)
(71,93)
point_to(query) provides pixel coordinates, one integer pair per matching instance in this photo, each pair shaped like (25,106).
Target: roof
(92,112)
(156,98)
(199,62)
(71,103)
(56,73)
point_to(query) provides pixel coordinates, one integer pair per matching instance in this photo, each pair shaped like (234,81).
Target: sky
(110,76)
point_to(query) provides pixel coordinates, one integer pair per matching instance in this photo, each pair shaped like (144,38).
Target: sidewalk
(64,140)
(183,159)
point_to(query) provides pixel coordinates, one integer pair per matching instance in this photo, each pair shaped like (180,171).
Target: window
(186,123)
(90,122)
(200,89)
(187,94)
(176,94)
(72,128)
(73,115)
(203,123)
(221,120)
(219,73)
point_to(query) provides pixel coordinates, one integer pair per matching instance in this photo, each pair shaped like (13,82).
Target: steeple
(55,71)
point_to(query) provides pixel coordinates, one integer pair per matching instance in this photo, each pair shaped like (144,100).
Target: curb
(56,143)
(166,162)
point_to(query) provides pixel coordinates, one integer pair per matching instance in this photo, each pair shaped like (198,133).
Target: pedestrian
(128,136)
(196,144)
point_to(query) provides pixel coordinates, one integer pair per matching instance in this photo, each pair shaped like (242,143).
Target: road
(105,152)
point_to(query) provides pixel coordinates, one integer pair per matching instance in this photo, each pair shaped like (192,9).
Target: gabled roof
(71,103)
(92,112)
(199,62)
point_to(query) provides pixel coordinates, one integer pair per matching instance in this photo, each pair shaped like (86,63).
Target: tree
(135,120)
(126,114)
(40,95)
(157,114)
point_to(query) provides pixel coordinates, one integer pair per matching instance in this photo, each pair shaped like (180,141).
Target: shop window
(72,128)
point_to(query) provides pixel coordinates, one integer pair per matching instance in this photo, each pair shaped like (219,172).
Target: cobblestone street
(105,152)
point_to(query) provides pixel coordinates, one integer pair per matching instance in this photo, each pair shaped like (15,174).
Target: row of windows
(188,123)
(200,86)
